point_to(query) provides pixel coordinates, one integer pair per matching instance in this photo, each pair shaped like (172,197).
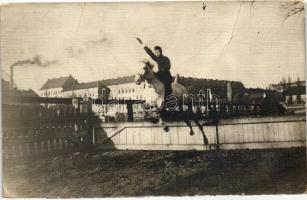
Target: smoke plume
(85,46)
(37,60)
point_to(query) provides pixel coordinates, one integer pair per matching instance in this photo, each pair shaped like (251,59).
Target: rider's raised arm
(150,53)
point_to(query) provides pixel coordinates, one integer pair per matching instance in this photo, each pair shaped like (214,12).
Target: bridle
(143,76)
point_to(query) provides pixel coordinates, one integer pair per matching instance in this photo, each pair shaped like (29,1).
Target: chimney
(11,77)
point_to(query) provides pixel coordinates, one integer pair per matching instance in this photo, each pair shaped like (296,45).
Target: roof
(117,81)
(6,91)
(56,82)
(28,93)
(79,86)
(106,82)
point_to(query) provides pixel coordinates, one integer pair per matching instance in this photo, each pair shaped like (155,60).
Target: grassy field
(152,173)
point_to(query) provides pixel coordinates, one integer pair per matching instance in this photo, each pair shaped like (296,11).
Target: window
(133,90)
(118,91)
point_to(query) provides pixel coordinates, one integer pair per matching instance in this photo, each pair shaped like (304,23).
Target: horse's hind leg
(187,121)
(165,127)
(206,142)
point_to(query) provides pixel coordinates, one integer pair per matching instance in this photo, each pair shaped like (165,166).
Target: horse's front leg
(186,119)
(165,127)
(161,110)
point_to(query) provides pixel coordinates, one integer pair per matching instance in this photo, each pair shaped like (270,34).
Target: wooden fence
(36,126)
(39,127)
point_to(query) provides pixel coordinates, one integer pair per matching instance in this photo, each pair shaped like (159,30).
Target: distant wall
(243,133)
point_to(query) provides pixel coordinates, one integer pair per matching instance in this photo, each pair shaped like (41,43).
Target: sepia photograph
(146,99)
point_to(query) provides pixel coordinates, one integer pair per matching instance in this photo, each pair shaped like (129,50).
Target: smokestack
(35,61)
(12,77)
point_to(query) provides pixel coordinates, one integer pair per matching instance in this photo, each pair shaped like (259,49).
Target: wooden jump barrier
(240,133)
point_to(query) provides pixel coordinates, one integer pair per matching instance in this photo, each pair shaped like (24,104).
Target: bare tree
(283,84)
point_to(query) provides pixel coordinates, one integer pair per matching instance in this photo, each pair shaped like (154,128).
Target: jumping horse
(178,94)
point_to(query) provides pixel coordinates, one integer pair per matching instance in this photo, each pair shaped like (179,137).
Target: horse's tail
(176,78)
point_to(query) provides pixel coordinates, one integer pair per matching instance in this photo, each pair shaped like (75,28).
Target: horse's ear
(176,78)
(151,66)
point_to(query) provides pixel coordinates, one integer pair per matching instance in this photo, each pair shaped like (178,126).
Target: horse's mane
(149,64)
(150,67)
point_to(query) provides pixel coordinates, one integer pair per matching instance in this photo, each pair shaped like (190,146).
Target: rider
(164,66)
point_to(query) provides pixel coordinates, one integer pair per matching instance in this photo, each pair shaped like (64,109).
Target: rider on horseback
(164,66)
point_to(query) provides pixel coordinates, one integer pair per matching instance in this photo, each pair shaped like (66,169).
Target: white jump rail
(240,133)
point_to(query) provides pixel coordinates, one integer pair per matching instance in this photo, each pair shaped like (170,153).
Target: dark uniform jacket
(164,64)
(163,74)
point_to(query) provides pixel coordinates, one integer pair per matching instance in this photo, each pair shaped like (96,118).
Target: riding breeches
(167,79)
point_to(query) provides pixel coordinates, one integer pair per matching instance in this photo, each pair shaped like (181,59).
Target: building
(294,93)
(54,87)
(14,92)
(122,88)
(93,89)
(280,87)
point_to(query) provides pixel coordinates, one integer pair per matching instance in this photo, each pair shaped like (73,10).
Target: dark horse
(178,93)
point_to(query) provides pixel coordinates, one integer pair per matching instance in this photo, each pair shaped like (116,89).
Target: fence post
(216,121)
(217,136)
(130,112)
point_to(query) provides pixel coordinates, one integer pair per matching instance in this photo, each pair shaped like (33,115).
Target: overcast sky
(93,41)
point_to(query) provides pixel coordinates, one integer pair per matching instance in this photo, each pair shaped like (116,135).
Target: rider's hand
(139,40)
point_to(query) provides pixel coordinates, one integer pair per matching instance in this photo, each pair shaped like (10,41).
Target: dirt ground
(155,173)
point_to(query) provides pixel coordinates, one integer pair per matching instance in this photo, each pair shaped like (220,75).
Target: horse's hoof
(165,128)
(191,133)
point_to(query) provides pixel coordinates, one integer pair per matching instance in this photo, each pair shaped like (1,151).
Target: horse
(178,94)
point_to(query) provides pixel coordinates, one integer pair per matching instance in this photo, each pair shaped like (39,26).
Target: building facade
(122,88)
(294,92)
(54,87)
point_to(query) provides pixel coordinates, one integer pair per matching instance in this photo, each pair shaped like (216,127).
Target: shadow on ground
(143,173)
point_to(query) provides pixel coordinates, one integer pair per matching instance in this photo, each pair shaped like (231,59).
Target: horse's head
(145,73)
